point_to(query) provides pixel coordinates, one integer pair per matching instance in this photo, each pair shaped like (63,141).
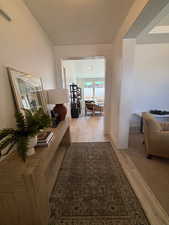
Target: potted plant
(25,134)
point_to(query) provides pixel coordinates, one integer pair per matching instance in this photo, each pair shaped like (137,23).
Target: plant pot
(31,144)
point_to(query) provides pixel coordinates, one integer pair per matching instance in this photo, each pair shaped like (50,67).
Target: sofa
(156,136)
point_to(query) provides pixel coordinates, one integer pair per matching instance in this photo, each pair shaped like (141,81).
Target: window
(99,90)
(94,90)
(99,84)
(88,84)
(88,93)
(88,90)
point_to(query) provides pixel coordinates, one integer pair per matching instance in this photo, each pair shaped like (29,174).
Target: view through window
(94,90)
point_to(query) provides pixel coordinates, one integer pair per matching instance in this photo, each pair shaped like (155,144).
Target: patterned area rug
(92,189)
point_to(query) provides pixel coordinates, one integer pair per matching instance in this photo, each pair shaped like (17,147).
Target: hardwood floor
(88,129)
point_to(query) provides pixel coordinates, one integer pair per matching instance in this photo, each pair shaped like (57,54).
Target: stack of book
(44,138)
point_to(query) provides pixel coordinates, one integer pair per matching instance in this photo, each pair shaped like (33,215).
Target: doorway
(87,77)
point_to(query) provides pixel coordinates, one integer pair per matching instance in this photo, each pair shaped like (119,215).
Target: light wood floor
(87,129)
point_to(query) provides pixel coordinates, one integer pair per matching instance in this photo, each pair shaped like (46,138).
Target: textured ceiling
(80,21)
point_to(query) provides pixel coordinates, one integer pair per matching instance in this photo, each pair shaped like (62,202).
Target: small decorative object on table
(25,135)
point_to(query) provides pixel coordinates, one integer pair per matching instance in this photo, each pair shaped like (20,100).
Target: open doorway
(85,79)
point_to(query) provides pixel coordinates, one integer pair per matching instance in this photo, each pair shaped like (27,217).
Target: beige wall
(76,51)
(24,46)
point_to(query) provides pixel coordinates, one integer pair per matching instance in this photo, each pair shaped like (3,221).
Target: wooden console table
(25,188)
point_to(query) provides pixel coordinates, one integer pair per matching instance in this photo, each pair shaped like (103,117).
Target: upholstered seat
(156,136)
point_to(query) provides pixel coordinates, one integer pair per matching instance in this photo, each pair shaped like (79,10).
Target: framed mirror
(27,90)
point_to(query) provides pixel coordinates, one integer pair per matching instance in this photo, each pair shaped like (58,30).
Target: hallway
(88,129)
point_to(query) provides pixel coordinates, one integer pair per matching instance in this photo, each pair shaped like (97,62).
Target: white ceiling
(80,21)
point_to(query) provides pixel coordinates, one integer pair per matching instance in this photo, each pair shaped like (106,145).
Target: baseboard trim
(151,205)
(113,142)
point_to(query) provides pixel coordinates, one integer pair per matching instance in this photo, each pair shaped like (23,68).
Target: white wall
(90,68)
(24,46)
(127,85)
(70,70)
(151,77)
(120,110)
(75,51)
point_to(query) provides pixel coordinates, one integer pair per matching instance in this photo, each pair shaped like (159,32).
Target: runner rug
(92,189)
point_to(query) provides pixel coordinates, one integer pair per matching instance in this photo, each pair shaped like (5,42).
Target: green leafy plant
(27,126)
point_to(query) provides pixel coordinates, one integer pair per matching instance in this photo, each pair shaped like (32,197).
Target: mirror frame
(15,89)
